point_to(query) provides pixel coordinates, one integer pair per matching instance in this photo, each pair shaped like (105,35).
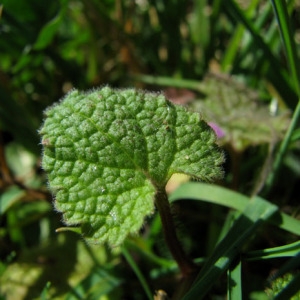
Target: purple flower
(218,130)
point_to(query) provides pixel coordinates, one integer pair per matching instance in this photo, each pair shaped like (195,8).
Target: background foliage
(237,63)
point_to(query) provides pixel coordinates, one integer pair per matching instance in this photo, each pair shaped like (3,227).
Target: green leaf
(48,32)
(240,114)
(108,151)
(10,197)
(44,294)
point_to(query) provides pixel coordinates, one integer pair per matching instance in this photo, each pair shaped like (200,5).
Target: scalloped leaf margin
(107,152)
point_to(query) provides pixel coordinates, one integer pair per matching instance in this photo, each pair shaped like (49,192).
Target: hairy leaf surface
(108,151)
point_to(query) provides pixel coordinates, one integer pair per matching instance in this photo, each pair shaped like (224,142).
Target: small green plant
(278,285)
(236,231)
(110,153)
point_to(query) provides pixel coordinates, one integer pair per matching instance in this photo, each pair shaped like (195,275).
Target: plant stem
(186,266)
(281,151)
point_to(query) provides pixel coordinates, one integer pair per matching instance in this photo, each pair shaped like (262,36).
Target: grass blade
(290,47)
(99,283)
(219,195)
(281,80)
(234,45)
(275,252)
(169,81)
(256,212)
(234,282)
(137,272)
(283,19)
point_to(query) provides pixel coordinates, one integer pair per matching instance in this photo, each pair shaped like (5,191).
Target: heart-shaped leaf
(108,151)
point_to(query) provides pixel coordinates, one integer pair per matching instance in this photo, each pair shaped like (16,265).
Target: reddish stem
(186,266)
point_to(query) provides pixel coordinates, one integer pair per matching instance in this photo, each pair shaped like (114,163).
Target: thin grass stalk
(282,17)
(281,151)
(286,33)
(234,45)
(137,272)
(278,76)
